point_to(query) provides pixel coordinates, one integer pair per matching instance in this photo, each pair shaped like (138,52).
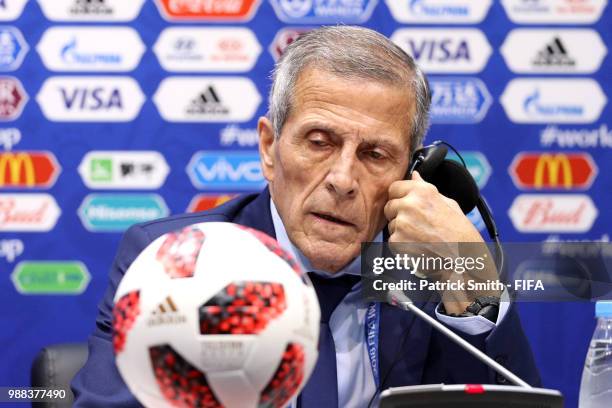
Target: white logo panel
(11,9)
(91,10)
(563,51)
(90,99)
(545,100)
(123,170)
(91,48)
(203,49)
(439,11)
(443,50)
(552,213)
(28,212)
(554,11)
(207,99)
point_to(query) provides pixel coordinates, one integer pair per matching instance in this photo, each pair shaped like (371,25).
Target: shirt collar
(353,268)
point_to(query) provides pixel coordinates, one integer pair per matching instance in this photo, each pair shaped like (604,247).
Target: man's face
(344,143)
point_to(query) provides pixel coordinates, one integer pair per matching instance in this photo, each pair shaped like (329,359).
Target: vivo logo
(226,170)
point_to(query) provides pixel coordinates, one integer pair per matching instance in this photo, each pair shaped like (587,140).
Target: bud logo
(206,49)
(91,10)
(123,170)
(283,38)
(541,100)
(28,212)
(323,11)
(90,48)
(553,51)
(203,202)
(458,100)
(12,98)
(207,99)
(553,213)
(554,11)
(231,134)
(28,169)
(439,11)
(441,50)
(11,9)
(117,212)
(12,48)
(208,10)
(166,313)
(90,99)
(553,170)
(226,171)
(10,249)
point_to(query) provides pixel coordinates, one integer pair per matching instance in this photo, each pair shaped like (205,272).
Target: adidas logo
(207,103)
(97,7)
(166,313)
(554,54)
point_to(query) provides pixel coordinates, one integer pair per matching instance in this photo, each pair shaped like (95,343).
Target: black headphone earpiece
(451,178)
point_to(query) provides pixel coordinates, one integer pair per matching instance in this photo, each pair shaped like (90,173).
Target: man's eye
(373,154)
(318,143)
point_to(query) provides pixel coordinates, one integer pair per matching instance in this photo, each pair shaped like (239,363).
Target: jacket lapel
(256,214)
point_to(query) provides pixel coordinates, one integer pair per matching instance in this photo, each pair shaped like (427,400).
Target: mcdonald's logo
(203,202)
(28,169)
(553,171)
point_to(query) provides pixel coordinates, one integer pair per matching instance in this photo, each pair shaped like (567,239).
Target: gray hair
(349,52)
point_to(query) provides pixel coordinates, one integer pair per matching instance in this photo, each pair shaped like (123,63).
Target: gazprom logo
(226,171)
(422,7)
(553,100)
(439,11)
(534,106)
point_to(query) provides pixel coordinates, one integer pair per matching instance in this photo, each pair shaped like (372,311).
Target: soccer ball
(215,315)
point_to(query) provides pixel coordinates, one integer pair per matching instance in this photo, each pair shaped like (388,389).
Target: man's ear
(267,144)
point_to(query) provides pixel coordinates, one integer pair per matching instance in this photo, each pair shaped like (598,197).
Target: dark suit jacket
(424,356)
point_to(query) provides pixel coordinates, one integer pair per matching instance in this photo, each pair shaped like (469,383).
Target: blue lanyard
(371,338)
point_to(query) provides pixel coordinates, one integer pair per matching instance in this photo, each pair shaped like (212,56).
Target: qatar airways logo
(545,213)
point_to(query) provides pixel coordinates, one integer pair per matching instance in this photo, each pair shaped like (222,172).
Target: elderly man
(346,110)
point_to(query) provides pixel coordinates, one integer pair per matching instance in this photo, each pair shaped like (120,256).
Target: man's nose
(341,178)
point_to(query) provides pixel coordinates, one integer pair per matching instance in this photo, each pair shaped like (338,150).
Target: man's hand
(418,213)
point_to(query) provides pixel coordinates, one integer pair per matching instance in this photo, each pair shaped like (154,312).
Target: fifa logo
(557,166)
(17,169)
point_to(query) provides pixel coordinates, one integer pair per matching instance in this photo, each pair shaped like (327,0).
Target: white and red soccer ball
(215,315)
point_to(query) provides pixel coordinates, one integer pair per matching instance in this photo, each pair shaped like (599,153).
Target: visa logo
(92,99)
(439,51)
(226,171)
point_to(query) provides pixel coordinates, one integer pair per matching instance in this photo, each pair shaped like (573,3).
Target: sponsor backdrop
(120,111)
